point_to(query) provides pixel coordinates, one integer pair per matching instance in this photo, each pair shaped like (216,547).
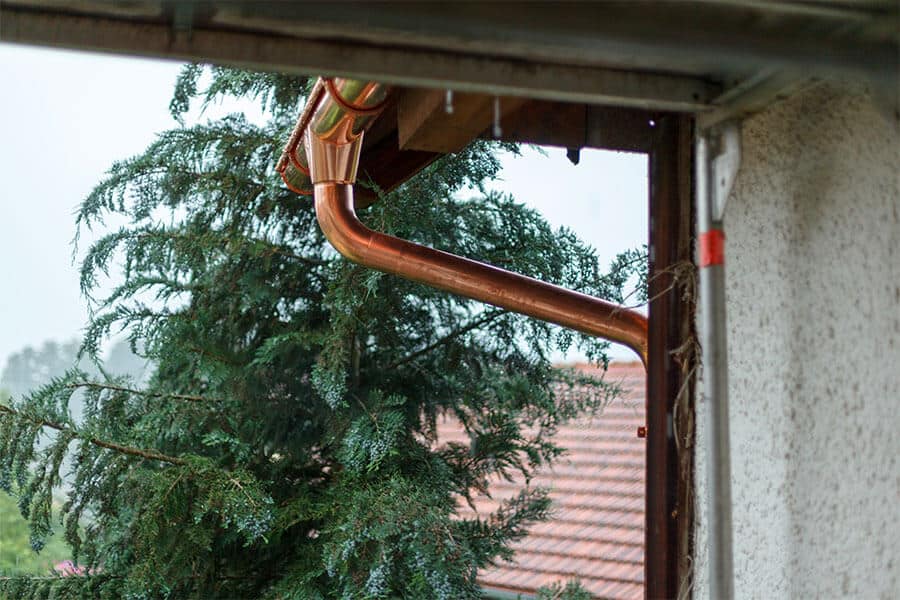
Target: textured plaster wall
(813,300)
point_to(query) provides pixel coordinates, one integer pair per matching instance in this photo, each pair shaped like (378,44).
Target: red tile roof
(596,533)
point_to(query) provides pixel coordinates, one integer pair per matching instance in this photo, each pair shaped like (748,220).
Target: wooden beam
(387,166)
(547,124)
(570,125)
(622,129)
(424,123)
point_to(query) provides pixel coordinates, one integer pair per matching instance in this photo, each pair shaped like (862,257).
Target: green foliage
(629,264)
(284,446)
(30,368)
(572,590)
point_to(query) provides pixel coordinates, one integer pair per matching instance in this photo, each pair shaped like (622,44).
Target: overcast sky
(65,117)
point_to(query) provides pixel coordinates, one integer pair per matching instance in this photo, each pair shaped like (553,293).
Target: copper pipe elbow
(470,278)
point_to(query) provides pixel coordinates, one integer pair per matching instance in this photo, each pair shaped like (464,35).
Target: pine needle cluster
(285,444)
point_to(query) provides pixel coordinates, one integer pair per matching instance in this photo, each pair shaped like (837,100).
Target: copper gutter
(292,165)
(331,129)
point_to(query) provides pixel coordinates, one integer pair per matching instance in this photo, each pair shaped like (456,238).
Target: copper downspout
(470,278)
(331,129)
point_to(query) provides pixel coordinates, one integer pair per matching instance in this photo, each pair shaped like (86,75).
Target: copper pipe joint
(333,162)
(470,278)
(329,132)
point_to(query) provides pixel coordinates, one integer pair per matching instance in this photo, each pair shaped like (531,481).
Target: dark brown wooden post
(669,479)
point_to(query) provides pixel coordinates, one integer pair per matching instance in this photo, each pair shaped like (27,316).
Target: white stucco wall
(813,301)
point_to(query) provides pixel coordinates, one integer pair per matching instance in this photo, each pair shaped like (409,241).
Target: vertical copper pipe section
(470,278)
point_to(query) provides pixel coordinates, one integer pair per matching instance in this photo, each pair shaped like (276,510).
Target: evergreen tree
(284,446)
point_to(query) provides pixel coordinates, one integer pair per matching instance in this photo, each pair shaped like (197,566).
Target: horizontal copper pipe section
(470,278)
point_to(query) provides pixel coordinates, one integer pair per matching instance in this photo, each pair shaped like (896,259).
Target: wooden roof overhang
(416,128)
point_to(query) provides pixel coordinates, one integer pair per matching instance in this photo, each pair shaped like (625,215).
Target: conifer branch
(212,355)
(312,262)
(447,338)
(271,247)
(117,388)
(129,450)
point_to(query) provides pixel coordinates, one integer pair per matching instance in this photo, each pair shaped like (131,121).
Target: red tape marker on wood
(712,248)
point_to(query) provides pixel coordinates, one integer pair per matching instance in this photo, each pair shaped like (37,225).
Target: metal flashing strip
(416,67)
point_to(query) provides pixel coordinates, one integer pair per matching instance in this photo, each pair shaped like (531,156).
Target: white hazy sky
(65,117)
